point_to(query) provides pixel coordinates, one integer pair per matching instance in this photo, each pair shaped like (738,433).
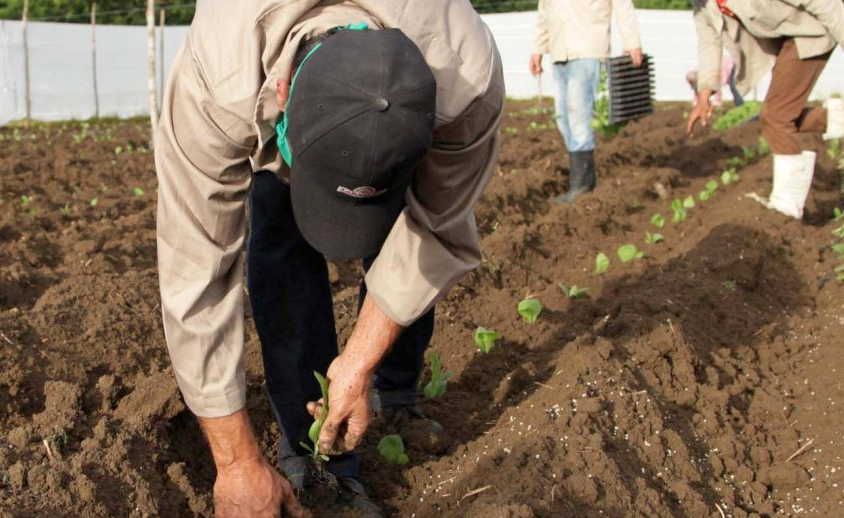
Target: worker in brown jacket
(351,128)
(793,39)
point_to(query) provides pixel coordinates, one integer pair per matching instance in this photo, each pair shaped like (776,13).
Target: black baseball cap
(359,119)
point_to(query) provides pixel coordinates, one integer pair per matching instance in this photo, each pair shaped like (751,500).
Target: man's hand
(350,378)
(253,489)
(535,64)
(701,112)
(348,403)
(246,486)
(282,92)
(636,56)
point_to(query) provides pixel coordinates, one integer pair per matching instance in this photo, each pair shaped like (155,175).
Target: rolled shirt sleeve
(709,51)
(434,242)
(628,25)
(203,180)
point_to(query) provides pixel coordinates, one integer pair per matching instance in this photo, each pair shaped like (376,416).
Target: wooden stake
(94,58)
(27,87)
(153,96)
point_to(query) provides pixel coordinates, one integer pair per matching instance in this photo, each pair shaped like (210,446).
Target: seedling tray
(630,88)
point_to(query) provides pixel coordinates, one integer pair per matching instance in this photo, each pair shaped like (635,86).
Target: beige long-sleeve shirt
(751,40)
(576,29)
(217,128)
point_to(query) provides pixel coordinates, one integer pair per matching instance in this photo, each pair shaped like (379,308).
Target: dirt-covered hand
(253,489)
(535,64)
(702,112)
(349,411)
(636,56)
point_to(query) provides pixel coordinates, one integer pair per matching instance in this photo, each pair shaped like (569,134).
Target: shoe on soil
(834,118)
(792,181)
(582,176)
(319,487)
(417,429)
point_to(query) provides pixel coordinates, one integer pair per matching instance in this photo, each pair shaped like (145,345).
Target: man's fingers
(314,408)
(328,435)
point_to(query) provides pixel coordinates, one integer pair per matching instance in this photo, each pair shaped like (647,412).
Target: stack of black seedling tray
(630,89)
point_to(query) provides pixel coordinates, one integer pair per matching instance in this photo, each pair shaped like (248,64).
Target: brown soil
(680,387)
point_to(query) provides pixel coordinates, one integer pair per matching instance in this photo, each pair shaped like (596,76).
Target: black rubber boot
(582,176)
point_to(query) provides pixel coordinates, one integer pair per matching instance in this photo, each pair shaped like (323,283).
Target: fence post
(94,58)
(162,17)
(27,87)
(153,97)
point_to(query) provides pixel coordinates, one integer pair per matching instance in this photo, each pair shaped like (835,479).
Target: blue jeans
(577,85)
(291,303)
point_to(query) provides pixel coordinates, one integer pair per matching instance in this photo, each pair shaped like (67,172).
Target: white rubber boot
(792,181)
(834,118)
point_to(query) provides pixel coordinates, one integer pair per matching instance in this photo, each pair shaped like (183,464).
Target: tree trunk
(151,75)
(26,80)
(94,58)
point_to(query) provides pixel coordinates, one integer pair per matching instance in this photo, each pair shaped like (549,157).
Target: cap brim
(338,227)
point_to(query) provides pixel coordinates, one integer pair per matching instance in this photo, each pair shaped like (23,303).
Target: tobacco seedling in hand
(391,447)
(573,291)
(439,377)
(657,220)
(602,262)
(485,338)
(529,309)
(654,238)
(316,426)
(629,252)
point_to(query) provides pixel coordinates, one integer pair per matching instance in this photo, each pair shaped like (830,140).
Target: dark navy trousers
(292,306)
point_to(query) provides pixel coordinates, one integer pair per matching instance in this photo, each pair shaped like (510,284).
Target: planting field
(701,378)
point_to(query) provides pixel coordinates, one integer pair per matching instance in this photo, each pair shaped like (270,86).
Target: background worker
(389,134)
(577,37)
(794,38)
(728,79)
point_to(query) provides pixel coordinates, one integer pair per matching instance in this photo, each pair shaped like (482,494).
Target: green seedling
(839,232)
(679,213)
(839,272)
(529,309)
(602,263)
(762,146)
(391,447)
(730,176)
(689,202)
(654,238)
(704,195)
(748,153)
(729,285)
(839,249)
(736,162)
(837,213)
(573,291)
(485,338)
(511,130)
(438,384)
(138,192)
(601,110)
(738,115)
(657,220)
(629,252)
(709,191)
(26,201)
(316,426)
(66,209)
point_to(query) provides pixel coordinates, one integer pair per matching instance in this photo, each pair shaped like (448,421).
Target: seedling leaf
(529,309)
(839,249)
(657,220)
(316,426)
(485,338)
(711,186)
(436,387)
(138,192)
(602,262)
(629,252)
(654,238)
(573,291)
(391,447)
(689,202)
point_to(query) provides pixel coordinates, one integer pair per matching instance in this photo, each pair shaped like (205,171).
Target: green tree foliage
(117,12)
(180,12)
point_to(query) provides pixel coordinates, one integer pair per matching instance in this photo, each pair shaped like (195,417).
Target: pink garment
(727,65)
